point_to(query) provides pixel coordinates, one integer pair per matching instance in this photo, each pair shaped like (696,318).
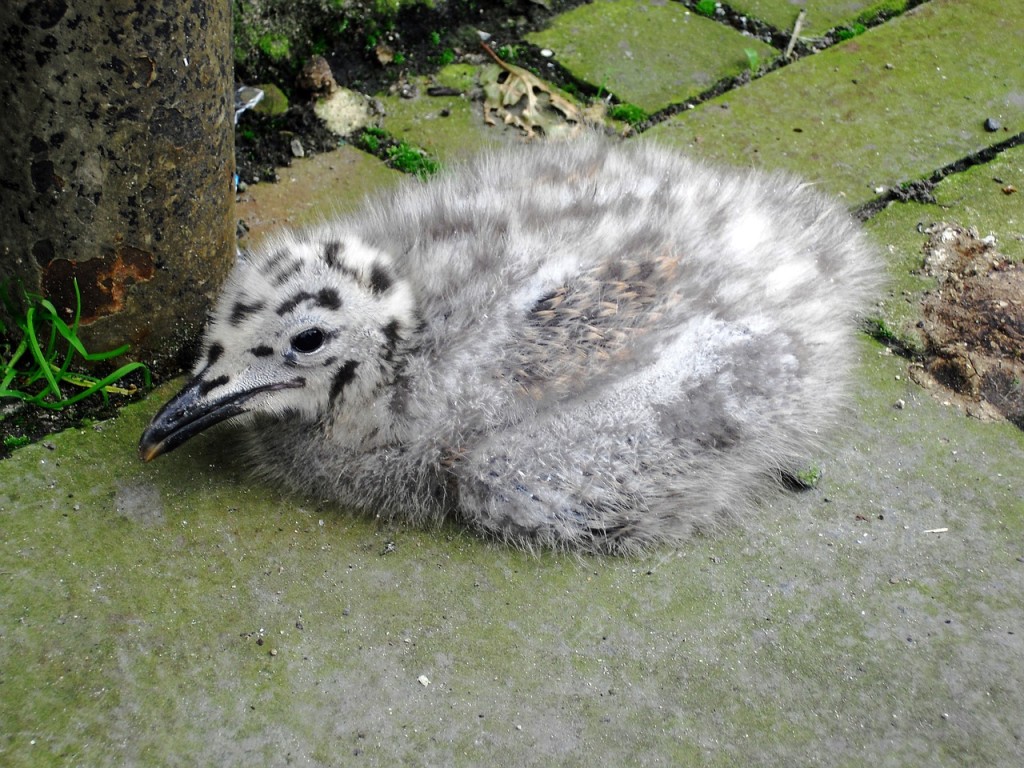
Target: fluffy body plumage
(579,345)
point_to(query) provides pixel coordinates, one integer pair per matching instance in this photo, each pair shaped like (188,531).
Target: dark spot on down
(391,338)
(276,259)
(213,353)
(240,311)
(326,297)
(343,377)
(545,301)
(331,252)
(262,351)
(208,386)
(288,305)
(281,276)
(380,279)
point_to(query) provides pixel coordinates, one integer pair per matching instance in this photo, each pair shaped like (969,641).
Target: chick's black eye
(309,340)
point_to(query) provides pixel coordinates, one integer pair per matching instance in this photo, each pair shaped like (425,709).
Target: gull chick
(584,345)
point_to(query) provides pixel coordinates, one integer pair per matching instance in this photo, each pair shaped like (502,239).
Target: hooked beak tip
(190,412)
(149,451)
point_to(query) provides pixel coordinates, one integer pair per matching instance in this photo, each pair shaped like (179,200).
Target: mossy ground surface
(821,15)
(177,613)
(835,117)
(179,609)
(618,45)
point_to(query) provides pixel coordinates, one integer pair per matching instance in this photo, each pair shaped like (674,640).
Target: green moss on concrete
(281,35)
(627,113)
(136,596)
(896,232)
(448,127)
(311,189)
(889,106)
(983,196)
(462,77)
(647,54)
(835,626)
(274,103)
(822,15)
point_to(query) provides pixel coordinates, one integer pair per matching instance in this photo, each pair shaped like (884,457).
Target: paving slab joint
(919,190)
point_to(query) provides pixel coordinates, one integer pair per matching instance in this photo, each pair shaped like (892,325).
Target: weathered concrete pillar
(117,150)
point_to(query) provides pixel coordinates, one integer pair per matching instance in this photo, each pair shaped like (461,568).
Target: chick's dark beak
(191,411)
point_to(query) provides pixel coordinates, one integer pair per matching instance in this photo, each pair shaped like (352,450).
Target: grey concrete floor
(178,614)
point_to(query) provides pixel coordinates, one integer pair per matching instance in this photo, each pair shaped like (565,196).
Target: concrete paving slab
(821,16)
(180,613)
(447,127)
(889,106)
(650,54)
(155,611)
(312,188)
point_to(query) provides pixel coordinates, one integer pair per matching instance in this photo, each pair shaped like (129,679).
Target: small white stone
(423,680)
(344,111)
(547,53)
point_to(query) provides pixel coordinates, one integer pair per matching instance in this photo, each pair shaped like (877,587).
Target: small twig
(497,59)
(797,26)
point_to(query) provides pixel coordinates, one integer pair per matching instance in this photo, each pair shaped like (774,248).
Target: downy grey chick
(579,345)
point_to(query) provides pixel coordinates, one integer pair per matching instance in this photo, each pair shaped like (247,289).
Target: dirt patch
(375,56)
(263,143)
(973,324)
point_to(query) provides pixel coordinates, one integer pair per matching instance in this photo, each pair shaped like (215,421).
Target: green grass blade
(101,384)
(37,352)
(33,363)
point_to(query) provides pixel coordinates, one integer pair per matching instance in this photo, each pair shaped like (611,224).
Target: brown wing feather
(580,330)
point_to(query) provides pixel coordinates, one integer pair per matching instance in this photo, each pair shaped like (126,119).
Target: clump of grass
(409,159)
(370,139)
(276,46)
(37,370)
(508,53)
(706,7)
(878,12)
(808,477)
(400,154)
(846,33)
(627,113)
(879,330)
(753,60)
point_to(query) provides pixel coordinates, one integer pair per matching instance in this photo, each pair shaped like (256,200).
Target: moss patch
(647,54)
(867,114)
(822,15)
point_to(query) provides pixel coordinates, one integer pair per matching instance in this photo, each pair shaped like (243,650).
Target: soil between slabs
(973,325)
(422,35)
